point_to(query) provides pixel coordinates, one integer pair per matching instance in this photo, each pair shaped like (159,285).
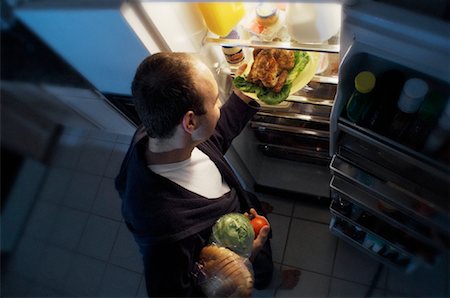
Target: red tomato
(258,222)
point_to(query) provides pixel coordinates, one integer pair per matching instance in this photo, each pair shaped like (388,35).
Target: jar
(266,14)
(233,55)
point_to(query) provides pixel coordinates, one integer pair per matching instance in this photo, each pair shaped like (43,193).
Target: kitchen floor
(76,244)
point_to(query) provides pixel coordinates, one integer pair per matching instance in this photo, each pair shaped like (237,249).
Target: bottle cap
(365,81)
(413,94)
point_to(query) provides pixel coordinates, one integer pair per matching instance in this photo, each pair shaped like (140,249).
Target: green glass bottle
(359,102)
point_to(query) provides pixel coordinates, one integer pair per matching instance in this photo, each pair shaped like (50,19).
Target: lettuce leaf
(242,84)
(301,60)
(271,98)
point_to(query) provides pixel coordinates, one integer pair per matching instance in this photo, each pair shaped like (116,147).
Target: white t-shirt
(197,174)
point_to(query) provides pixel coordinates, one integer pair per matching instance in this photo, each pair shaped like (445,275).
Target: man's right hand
(262,237)
(238,92)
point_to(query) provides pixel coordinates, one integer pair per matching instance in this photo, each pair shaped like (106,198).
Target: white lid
(265,10)
(413,94)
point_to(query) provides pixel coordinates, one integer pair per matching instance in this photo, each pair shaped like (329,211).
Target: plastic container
(313,23)
(221,17)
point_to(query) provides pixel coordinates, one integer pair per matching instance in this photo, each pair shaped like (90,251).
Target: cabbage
(234,231)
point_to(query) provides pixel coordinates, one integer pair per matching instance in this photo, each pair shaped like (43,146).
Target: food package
(234,231)
(224,273)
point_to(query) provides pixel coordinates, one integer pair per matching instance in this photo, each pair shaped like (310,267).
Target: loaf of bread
(226,273)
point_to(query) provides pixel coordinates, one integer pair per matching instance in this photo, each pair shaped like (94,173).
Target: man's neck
(155,156)
(167,157)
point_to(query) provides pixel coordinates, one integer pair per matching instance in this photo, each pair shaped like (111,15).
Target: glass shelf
(287,45)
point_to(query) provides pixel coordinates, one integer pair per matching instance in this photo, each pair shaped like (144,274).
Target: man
(174,180)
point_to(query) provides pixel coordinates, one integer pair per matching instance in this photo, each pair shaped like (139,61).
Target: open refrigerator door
(389,192)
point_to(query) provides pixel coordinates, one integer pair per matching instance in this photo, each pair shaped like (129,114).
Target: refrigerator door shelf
(411,171)
(411,250)
(361,56)
(409,266)
(343,190)
(424,211)
(413,156)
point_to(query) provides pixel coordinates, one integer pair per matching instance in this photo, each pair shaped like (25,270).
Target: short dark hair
(163,90)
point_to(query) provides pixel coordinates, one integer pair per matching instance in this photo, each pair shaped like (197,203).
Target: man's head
(172,89)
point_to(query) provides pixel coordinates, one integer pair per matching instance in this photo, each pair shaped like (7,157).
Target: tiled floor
(75,243)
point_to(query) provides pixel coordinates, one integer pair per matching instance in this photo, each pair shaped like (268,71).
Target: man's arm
(234,116)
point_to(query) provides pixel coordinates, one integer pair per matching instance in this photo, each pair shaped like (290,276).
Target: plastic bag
(223,273)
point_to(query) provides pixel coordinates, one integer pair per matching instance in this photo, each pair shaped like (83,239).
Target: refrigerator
(387,198)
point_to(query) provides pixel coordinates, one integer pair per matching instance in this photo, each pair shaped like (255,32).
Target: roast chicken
(271,68)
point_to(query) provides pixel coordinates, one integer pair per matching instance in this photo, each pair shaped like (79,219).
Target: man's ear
(189,122)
